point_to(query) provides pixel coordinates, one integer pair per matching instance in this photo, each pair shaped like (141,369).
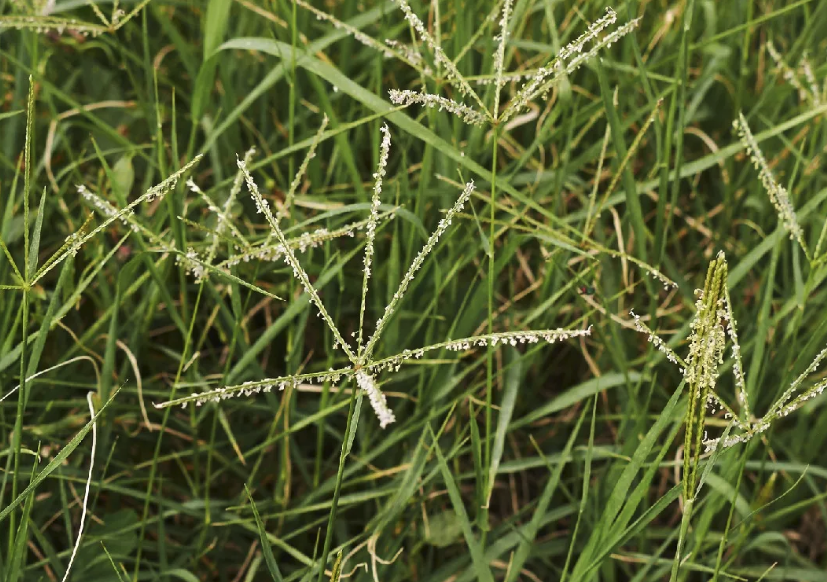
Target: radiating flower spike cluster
(200,264)
(76,240)
(712,324)
(29,276)
(362,368)
(289,256)
(537,83)
(570,58)
(453,75)
(416,264)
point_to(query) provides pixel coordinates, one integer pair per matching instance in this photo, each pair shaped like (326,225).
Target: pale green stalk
(75,242)
(453,74)
(376,201)
(591,218)
(499,56)
(290,258)
(489,359)
(23,396)
(294,185)
(416,264)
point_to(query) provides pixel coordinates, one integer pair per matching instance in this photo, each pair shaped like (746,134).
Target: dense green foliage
(509,461)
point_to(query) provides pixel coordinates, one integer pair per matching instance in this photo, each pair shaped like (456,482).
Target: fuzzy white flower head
(377,400)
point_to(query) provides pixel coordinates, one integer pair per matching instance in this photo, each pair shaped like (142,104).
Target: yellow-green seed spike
(707,342)
(27,173)
(336,573)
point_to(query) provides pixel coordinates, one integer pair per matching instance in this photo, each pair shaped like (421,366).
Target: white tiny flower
(377,399)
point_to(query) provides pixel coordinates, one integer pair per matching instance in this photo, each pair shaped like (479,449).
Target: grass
(527,192)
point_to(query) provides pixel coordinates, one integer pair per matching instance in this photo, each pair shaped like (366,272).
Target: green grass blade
(16,563)
(38,228)
(530,532)
(483,572)
(632,199)
(269,559)
(56,461)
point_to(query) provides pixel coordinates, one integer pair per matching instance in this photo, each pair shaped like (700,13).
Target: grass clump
(430,193)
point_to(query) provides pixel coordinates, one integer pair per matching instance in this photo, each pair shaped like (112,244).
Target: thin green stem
(687,516)
(489,383)
(735,490)
(328,536)
(21,409)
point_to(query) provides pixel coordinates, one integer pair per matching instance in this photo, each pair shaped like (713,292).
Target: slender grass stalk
(376,200)
(23,396)
(489,362)
(416,264)
(452,73)
(290,259)
(328,537)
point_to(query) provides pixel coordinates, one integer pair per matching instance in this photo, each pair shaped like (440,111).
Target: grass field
(401,290)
